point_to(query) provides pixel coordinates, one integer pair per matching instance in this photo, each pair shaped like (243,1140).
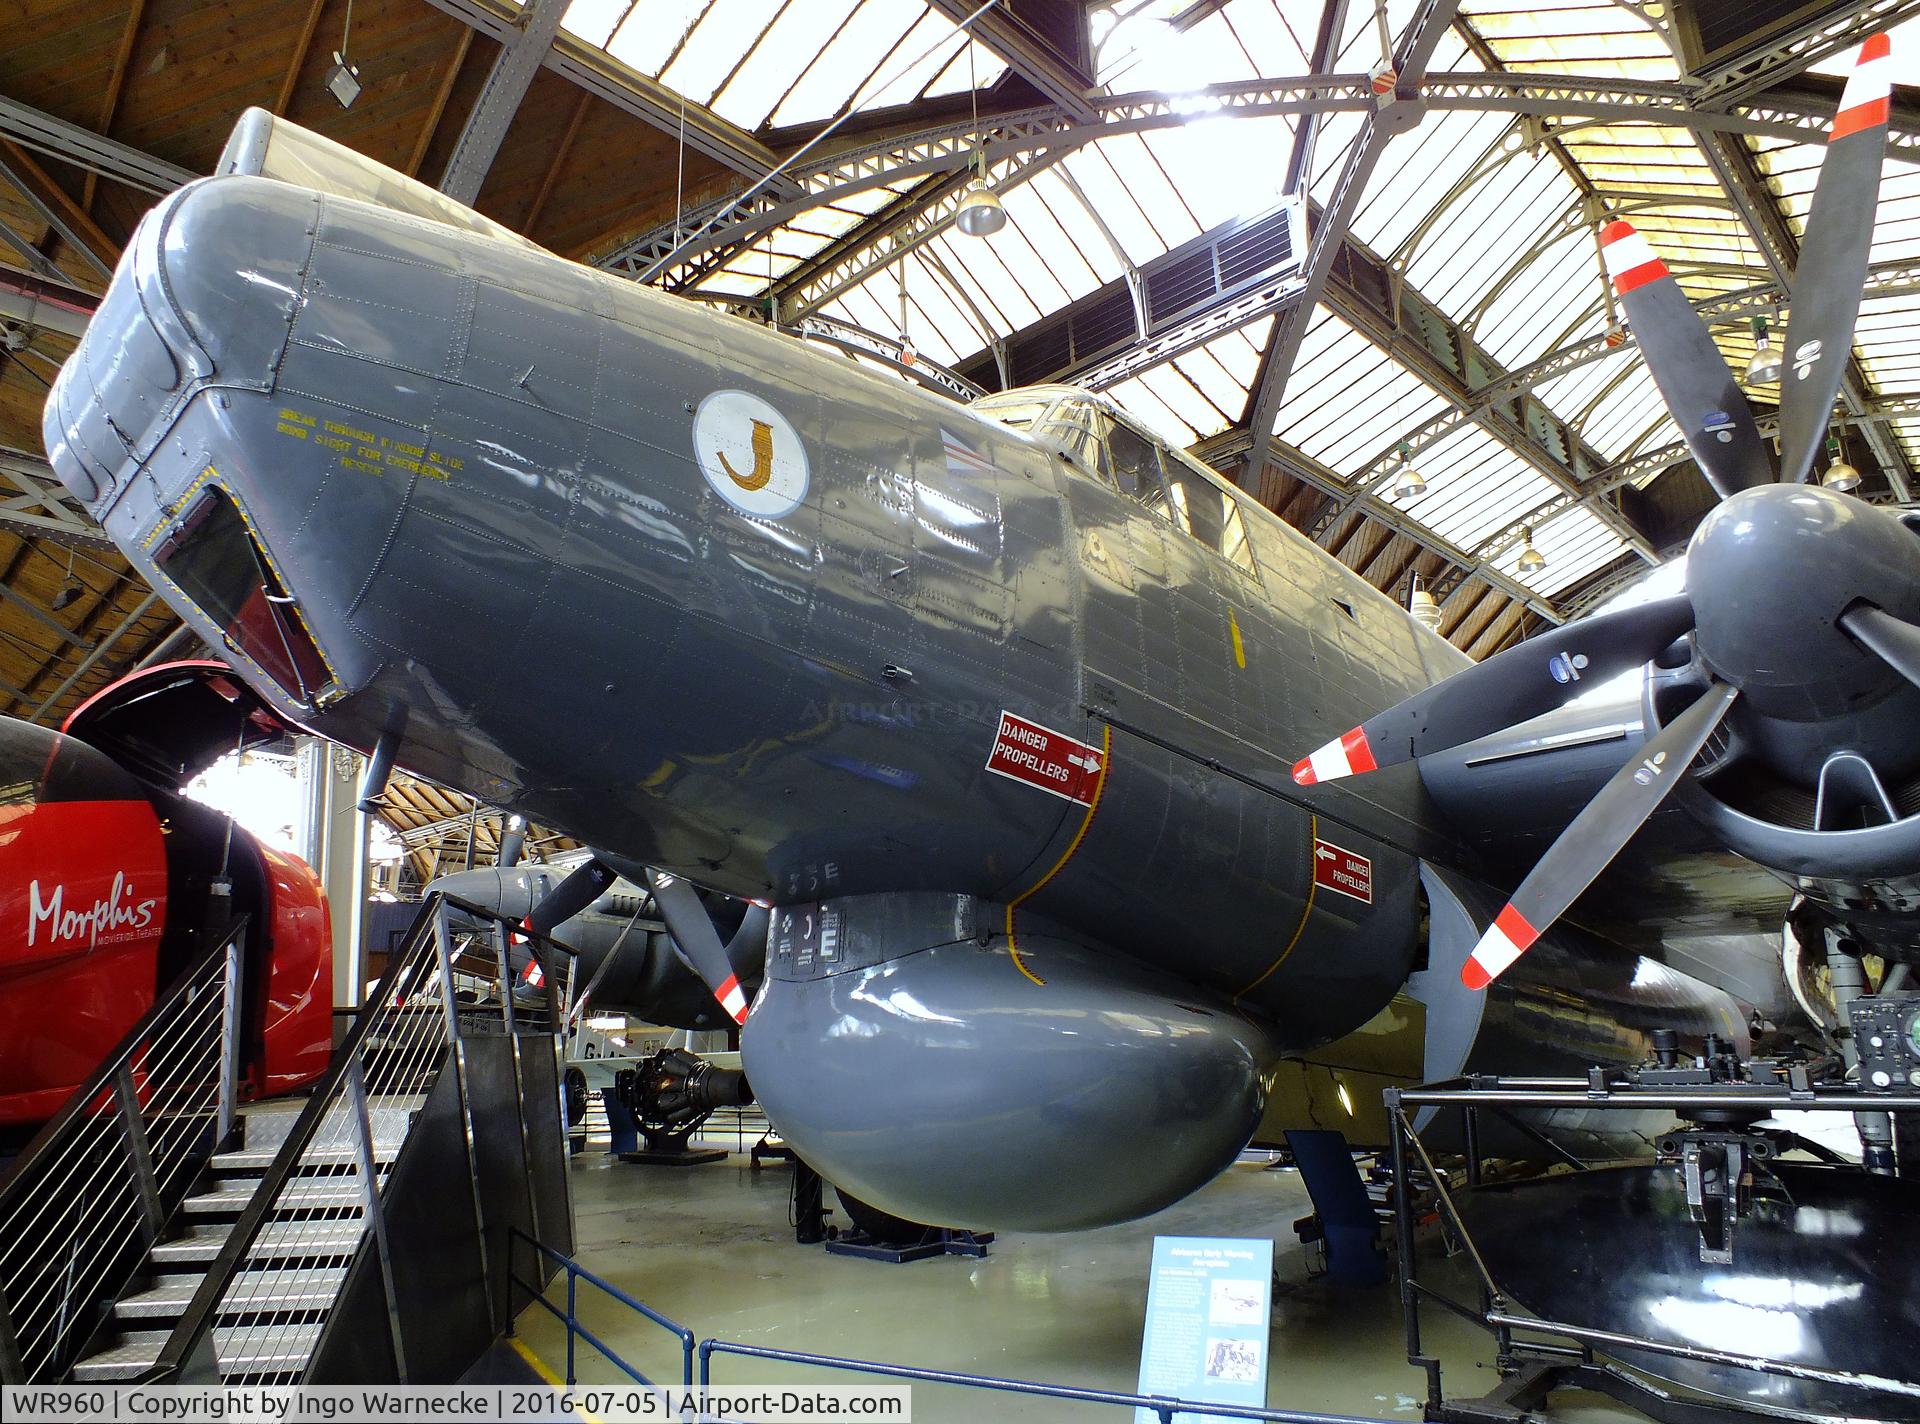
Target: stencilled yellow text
(364,451)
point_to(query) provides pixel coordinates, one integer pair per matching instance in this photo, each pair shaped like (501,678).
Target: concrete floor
(711,1247)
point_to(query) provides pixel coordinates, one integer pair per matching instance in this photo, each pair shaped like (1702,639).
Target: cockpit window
(215,561)
(1213,515)
(1136,470)
(1018,412)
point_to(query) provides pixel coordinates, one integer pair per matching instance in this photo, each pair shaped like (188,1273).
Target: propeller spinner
(1801,604)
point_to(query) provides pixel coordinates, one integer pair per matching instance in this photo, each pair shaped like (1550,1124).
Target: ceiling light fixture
(1531,559)
(1764,367)
(981,213)
(343,79)
(1840,476)
(71,590)
(1408,483)
(1422,606)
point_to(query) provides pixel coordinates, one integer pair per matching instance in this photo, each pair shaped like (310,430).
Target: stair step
(229,1195)
(251,1292)
(277,1239)
(258,1159)
(267,1124)
(240,1349)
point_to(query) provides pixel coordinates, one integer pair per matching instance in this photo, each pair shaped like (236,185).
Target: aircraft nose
(204,296)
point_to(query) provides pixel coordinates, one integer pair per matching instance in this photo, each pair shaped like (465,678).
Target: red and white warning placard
(1341,871)
(1053,761)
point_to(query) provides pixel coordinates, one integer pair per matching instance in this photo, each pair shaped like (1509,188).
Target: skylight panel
(1090,245)
(1401,403)
(989,283)
(1622,417)
(1345,397)
(1495,222)
(1183,398)
(1539,299)
(1011,252)
(1109,196)
(1213,380)
(1139,401)
(1884,338)
(1225,166)
(778,58)
(841,72)
(1334,138)
(1066,263)
(941,327)
(1575,544)
(1270,33)
(1419,170)
(1158,201)
(1573,37)
(983,71)
(717,43)
(921,40)
(653,32)
(593,20)
(1240,352)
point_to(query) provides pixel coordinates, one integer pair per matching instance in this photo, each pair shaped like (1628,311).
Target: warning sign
(1026,751)
(1341,871)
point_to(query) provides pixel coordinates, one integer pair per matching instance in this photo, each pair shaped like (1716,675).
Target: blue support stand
(621,1123)
(1343,1217)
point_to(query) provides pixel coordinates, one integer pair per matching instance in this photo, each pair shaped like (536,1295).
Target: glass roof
(1489,216)
(787,62)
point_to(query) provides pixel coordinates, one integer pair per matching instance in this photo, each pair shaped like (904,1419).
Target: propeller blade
(1894,639)
(1692,375)
(1533,677)
(1833,260)
(580,889)
(1595,837)
(692,929)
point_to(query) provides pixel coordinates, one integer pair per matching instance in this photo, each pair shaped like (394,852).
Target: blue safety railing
(1160,1404)
(571,1319)
(1166,1408)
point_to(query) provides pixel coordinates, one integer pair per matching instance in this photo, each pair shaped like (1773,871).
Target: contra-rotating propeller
(1802,607)
(686,919)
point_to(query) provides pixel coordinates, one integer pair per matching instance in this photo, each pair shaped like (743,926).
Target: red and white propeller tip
(1506,939)
(1348,755)
(1631,262)
(732,999)
(1863,104)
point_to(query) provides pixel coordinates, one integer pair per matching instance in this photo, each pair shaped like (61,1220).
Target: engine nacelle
(904,1050)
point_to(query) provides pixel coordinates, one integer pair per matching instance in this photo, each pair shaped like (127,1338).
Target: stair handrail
(112,1080)
(189,1352)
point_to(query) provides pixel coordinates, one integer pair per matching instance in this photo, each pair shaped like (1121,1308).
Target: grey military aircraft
(995,704)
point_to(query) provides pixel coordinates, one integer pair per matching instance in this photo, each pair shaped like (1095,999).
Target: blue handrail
(1160,1404)
(570,1318)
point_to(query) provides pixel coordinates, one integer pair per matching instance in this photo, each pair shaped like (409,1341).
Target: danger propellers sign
(1025,751)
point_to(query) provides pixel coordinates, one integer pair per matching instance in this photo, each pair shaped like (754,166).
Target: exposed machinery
(670,1094)
(1747,1263)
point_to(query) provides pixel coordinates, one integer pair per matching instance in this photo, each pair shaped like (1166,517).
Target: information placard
(1208,1304)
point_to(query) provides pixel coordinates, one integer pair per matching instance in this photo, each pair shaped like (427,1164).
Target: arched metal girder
(949,147)
(1651,462)
(1884,279)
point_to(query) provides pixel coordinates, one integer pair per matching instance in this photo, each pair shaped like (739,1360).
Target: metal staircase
(296,1265)
(263,1249)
